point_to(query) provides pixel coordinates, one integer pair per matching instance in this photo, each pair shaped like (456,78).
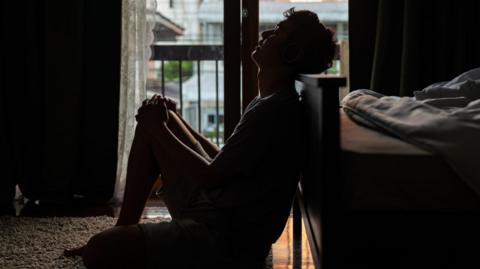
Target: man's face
(271,44)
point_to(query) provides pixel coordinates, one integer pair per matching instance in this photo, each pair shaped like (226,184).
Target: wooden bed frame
(342,237)
(321,162)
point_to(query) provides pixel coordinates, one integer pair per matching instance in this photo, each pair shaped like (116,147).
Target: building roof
(162,23)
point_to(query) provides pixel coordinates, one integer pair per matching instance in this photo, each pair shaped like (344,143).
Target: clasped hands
(155,111)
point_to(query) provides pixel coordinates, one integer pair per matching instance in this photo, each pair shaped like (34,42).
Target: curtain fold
(59,99)
(138,20)
(397,47)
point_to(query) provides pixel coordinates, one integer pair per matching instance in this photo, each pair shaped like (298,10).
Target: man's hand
(153,111)
(171,105)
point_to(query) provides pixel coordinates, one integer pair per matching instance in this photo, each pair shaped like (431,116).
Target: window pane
(187,63)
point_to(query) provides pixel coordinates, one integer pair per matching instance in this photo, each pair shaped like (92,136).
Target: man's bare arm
(206,172)
(211,149)
(155,118)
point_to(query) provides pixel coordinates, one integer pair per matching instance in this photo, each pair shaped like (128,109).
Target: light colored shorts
(182,244)
(194,240)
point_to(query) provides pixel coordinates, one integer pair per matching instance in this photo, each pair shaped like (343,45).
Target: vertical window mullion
(163,78)
(217,108)
(199,98)
(180,85)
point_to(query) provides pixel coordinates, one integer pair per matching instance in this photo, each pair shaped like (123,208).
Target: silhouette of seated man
(227,205)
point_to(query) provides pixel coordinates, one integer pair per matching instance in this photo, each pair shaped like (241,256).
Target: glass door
(187,64)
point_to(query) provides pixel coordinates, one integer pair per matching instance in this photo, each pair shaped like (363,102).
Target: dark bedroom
(248,134)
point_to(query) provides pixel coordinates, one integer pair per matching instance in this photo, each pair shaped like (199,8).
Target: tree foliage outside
(171,70)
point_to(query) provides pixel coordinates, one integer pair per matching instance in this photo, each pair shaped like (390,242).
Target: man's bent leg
(142,171)
(145,164)
(118,247)
(176,190)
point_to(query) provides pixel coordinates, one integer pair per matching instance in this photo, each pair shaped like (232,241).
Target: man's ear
(292,53)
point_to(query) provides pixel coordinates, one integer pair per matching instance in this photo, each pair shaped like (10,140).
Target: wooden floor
(285,248)
(287,253)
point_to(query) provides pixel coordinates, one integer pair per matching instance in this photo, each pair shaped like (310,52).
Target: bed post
(319,192)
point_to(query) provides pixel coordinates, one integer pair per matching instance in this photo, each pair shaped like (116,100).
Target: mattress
(384,172)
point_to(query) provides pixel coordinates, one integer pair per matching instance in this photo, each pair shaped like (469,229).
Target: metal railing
(194,54)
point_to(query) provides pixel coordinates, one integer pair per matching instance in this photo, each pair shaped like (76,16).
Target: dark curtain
(397,47)
(59,83)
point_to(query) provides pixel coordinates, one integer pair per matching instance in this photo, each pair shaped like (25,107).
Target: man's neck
(270,82)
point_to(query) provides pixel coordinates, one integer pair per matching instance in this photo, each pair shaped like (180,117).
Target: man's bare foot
(74,251)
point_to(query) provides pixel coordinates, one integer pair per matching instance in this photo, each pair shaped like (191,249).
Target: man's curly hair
(317,42)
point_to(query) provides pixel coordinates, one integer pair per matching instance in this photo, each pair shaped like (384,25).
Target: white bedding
(443,118)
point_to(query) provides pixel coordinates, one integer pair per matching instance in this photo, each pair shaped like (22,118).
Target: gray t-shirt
(261,163)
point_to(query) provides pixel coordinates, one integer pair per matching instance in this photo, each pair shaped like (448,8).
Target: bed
(370,199)
(370,157)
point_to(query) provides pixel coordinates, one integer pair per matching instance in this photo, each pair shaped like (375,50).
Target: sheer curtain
(137,36)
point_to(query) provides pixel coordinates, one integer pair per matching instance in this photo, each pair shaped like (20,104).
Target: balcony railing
(195,55)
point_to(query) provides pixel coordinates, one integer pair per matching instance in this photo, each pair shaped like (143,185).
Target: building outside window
(200,23)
